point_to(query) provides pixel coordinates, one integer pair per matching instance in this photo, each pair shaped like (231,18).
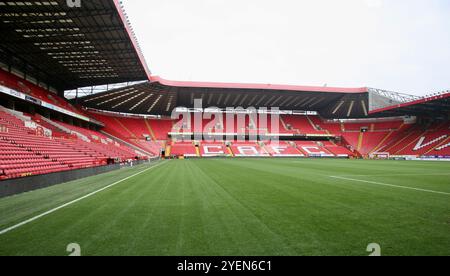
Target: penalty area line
(390,185)
(4,231)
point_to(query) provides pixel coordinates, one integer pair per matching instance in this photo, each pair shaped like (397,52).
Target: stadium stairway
(398,139)
(375,149)
(152,134)
(197,151)
(407,143)
(230,151)
(131,134)
(283,124)
(440,149)
(168,151)
(360,141)
(60,126)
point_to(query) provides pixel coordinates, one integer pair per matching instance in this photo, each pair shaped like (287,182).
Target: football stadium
(155,167)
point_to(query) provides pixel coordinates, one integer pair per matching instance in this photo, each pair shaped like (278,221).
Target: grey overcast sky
(399,45)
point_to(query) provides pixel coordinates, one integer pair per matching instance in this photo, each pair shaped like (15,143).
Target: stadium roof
(160,97)
(70,47)
(433,105)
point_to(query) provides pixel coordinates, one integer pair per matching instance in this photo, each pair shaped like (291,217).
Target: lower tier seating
(25,151)
(283,149)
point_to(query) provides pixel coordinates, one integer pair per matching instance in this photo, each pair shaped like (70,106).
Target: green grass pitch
(240,207)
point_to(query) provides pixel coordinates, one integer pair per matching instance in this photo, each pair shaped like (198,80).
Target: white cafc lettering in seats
(279,151)
(213,150)
(315,151)
(250,151)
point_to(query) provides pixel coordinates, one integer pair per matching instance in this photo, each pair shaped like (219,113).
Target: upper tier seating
(370,140)
(393,136)
(338,150)
(222,124)
(303,124)
(374,139)
(146,134)
(21,85)
(160,128)
(134,130)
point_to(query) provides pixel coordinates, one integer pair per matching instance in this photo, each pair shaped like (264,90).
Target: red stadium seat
(23,153)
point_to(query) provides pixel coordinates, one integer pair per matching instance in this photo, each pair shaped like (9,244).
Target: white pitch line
(398,174)
(74,201)
(390,185)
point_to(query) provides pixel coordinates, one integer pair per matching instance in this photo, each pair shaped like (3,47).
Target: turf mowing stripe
(75,201)
(390,185)
(398,174)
